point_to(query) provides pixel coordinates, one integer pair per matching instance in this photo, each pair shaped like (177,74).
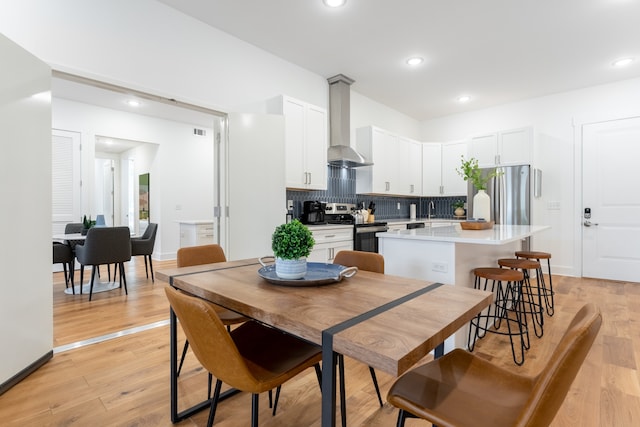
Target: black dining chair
(63,254)
(104,245)
(143,246)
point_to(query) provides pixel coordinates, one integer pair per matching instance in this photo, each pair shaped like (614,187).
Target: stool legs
(508,307)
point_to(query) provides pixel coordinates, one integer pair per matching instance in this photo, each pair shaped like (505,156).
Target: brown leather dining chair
(252,358)
(462,389)
(367,261)
(206,254)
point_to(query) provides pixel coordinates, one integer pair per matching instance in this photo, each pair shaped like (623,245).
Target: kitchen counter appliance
(364,234)
(313,212)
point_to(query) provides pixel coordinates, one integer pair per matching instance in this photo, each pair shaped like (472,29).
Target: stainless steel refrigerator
(510,196)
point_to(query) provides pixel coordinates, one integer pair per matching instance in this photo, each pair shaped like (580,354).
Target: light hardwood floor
(125,381)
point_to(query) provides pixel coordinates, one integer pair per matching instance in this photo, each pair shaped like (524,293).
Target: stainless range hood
(340,152)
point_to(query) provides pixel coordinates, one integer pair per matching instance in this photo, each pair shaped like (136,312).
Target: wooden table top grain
(392,339)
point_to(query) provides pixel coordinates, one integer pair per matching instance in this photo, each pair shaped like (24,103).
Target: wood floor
(125,381)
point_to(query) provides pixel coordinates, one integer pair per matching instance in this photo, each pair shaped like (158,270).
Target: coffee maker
(313,212)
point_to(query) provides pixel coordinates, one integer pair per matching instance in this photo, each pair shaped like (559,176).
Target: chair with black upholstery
(104,245)
(367,261)
(63,254)
(144,246)
(462,389)
(252,358)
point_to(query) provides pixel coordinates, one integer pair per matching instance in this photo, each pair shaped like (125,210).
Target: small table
(387,322)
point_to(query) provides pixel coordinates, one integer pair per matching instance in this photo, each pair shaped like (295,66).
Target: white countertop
(498,235)
(398,221)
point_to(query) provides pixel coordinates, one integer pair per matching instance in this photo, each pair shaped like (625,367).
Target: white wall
(555,152)
(26,305)
(180,163)
(366,112)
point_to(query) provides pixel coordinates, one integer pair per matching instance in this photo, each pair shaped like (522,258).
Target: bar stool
(548,292)
(506,284)
(535,309)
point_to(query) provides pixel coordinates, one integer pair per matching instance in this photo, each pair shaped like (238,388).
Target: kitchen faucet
(431,206)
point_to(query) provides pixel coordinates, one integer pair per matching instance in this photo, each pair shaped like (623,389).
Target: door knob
(588,223)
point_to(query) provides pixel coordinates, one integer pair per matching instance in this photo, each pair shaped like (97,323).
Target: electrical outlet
(440,267)
(398,205)
(289,205)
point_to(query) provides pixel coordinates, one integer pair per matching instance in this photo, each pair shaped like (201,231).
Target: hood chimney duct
(340,152)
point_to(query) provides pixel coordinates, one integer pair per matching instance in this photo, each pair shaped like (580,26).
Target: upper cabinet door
(452,183)
(511,147)
(484,148)
(410,167)
(432,169)
(306,143)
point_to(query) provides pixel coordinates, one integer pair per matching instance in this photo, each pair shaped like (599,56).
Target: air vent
(199,132)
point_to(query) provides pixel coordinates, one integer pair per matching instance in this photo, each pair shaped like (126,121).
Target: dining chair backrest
(368,261)
(198,255)
(73,228)
(553,382)
(144,245)
(105,245)
(209,339)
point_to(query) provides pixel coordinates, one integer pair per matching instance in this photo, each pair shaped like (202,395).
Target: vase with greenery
(87,223)
(470,171)
(291,244)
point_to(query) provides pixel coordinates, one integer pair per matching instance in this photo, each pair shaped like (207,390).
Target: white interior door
(65,179)
(255,184)
(611,236)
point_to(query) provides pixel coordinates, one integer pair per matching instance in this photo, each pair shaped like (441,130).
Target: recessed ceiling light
(416,60)
(622,62)
(464,98)
(133,103)
(334,3)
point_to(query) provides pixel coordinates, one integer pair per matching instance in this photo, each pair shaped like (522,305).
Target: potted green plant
(87,223)
(458,208)
(470,171)
(291,243)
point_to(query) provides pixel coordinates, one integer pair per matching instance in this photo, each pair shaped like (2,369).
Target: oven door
(365,236)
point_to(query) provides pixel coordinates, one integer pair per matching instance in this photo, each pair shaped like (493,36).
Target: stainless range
(364,234)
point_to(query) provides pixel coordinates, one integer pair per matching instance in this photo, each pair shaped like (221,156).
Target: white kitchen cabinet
(329,241)
(439,164)
(306,143)
(196,233)
(410,167)
(380,147)
(511,147)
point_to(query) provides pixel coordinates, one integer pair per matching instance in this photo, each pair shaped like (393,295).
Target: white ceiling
(496,51)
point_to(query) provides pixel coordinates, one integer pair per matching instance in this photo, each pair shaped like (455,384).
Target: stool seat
(519,263)
(533,254)
(493,273)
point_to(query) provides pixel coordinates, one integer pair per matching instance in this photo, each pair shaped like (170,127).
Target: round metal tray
(318,274)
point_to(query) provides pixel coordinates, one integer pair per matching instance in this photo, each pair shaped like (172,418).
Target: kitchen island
(449,254)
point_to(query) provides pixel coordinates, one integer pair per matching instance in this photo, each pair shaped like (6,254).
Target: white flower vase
(482,205)
(291,268)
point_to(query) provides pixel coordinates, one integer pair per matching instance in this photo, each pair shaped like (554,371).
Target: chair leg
(93,276)
(146,271)
(401,417)
(214,403)
(123,277)
(66,276)
(153,280)
(184,353)
(81,277)
(71,274)
(375,384)
(275,404)
(254,409)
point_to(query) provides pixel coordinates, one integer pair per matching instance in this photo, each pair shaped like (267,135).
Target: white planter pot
(482,205)
(291,268)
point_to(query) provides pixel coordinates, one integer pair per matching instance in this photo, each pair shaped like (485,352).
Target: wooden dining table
(387,322)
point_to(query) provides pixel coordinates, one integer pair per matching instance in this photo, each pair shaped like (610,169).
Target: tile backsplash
(341,188)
